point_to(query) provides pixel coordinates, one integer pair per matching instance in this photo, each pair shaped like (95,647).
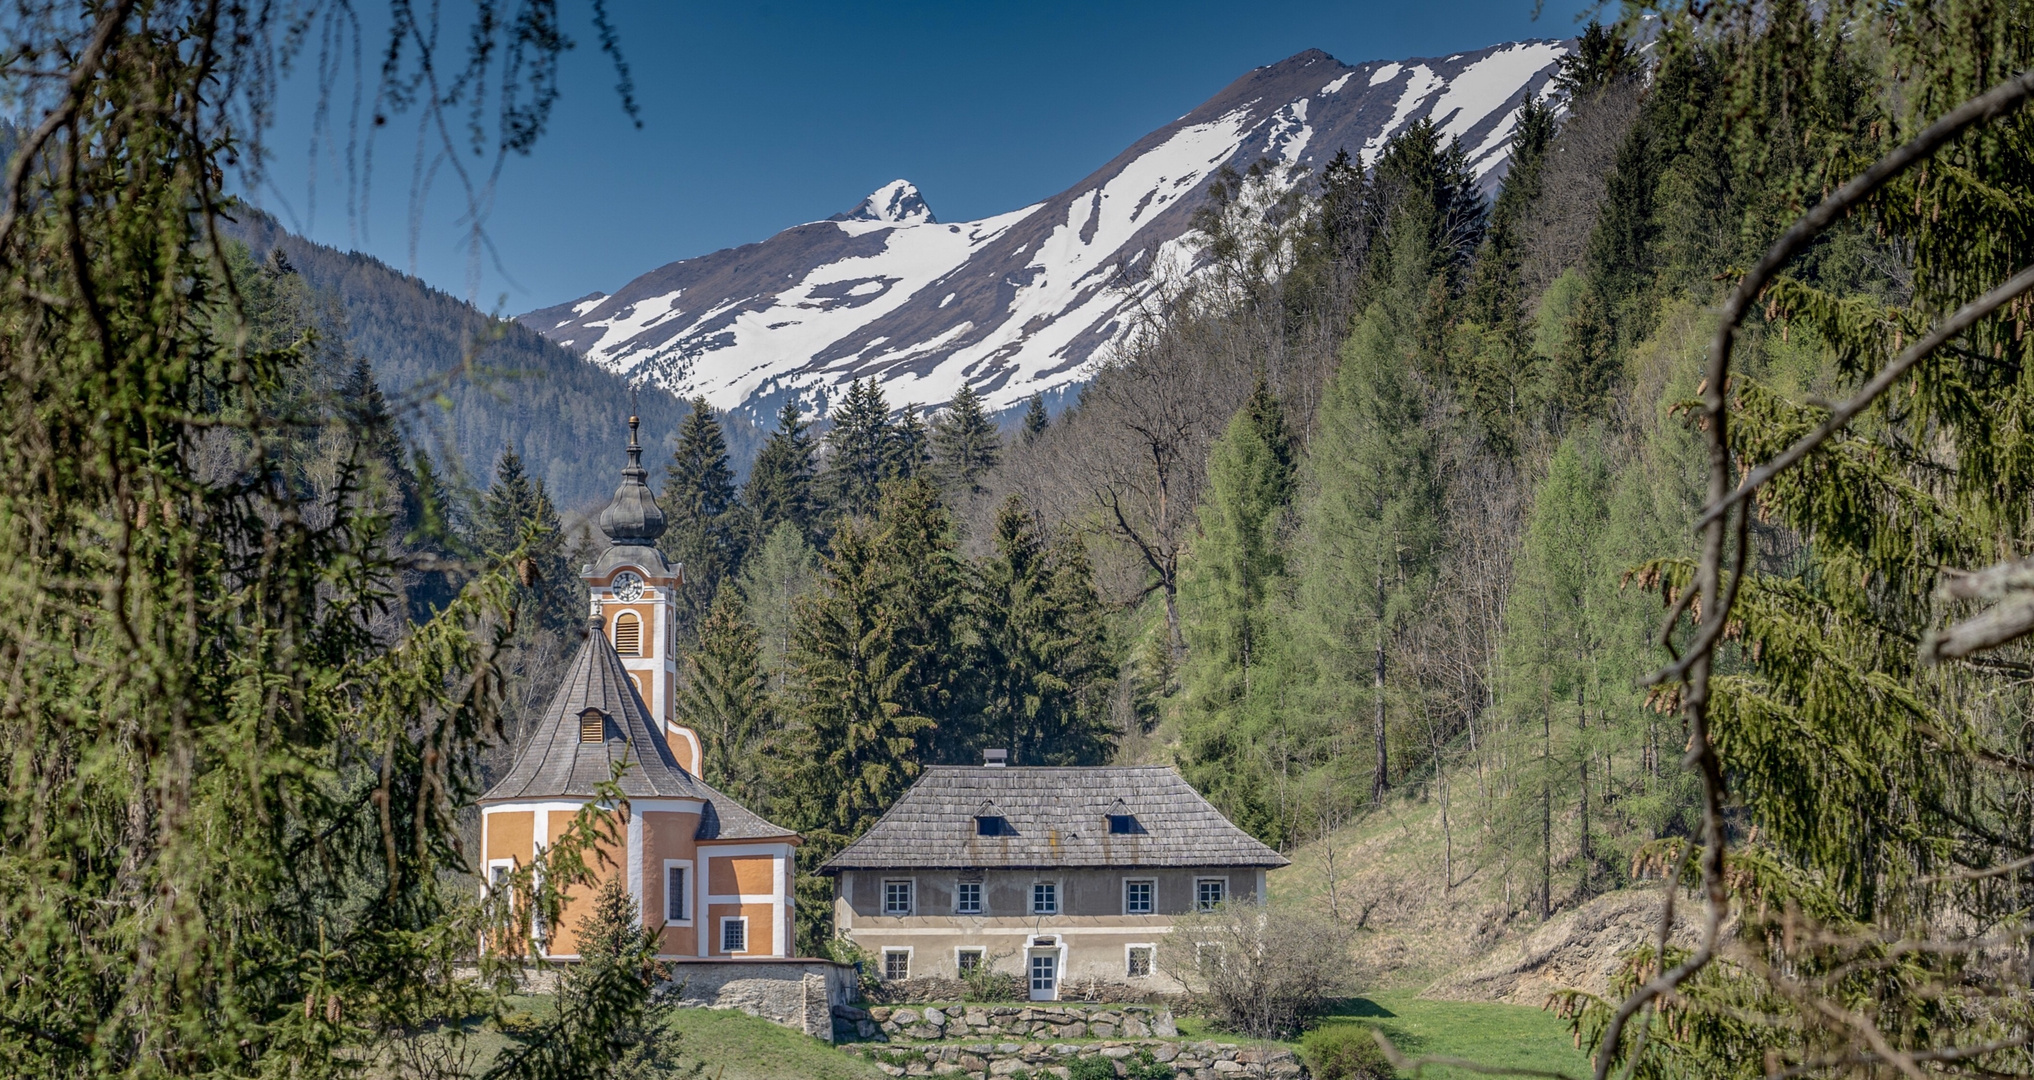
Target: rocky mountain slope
(1029,300)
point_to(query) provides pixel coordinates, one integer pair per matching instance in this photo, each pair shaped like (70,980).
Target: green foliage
(604,1014)
(1036,420)
(776,577)
(707,524)
(780,488)
(723,697)
(965,445)
(1345,1052)
(866,449)
(1045,665)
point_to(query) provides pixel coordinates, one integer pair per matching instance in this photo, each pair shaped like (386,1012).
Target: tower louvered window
(628,634)
(592,726)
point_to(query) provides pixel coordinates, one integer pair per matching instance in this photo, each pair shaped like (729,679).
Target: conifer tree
(1502,369)
(724,699)
(1237,557)
(1045,653)
(878,663)
(514,507)
(965,445)
(781,483)
(706,530)
(1369,535)
(861,451)
(774,579)
(1036,420)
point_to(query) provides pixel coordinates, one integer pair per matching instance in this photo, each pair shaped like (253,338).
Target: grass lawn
(721,1045)
(1488,1032)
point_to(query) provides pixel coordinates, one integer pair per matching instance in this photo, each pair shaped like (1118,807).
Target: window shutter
(628,634)
(592,726)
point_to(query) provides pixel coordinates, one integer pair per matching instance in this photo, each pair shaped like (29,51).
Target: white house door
(1045,976)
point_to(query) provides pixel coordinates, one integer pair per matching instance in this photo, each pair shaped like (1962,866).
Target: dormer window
(592,726)
(992,825)
(628,634)
(1123,825)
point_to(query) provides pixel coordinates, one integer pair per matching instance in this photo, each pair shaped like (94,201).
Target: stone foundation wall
(1188,1060)
(799,994)
(1042,1021)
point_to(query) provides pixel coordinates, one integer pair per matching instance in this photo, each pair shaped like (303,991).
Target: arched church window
(628,634)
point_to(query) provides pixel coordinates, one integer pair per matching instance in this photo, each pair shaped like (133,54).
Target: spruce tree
(1036,420)
(516,508)
(1045,652)
(706,531)
(724,699)
(878,659)
(862,451)
(965,444)
(1497,378)
(781,483)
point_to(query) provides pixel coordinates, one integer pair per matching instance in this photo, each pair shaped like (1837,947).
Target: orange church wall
(508,835)
(742,875)
(762,927)
(669,835)
(563,939)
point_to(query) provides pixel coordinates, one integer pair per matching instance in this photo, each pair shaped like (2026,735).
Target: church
(715,876)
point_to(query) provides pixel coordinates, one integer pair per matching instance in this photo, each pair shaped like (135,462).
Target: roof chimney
(995,759)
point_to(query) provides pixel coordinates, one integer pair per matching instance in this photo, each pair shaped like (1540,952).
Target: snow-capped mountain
(1023,301)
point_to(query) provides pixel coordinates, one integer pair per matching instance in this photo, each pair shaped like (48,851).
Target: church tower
(634,589)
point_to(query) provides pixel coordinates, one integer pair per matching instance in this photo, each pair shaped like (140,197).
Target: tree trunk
(1380,780)
(1546,811)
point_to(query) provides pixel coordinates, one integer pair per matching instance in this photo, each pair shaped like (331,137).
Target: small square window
(968,961)
(896,965)
(734,935)
(1209,892)
(1045,898)
(497,878)
(1138,897)
(1140,962)
(896,898)
(674,894)
(967,898)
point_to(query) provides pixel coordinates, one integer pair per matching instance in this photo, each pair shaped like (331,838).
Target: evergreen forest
(1658,514)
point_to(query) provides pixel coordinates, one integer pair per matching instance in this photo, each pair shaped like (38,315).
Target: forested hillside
(479,385)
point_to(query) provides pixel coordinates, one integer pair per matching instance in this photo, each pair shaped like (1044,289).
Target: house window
(992,825)
(498,877)
(967,961)
(592,726)
(1045,898)
(1139,965)
(1209,892)
(1138,897)
(1122,824)
(896,965)
(674,893)
(734,935)
(897,898)
(967,898)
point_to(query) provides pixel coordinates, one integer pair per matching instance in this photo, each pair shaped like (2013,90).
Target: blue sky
(760,116)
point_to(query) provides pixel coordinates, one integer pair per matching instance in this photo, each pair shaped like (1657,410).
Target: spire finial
(633,517)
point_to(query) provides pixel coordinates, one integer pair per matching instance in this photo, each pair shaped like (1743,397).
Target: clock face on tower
(628,587)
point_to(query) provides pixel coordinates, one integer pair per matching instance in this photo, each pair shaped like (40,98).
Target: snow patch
(1384,74)
(1336,87)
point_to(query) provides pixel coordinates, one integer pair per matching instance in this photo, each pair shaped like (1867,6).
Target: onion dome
(633,516)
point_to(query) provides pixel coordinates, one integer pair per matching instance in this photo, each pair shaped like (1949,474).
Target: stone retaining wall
(799,994)
(1042,1021)
(1188,1060)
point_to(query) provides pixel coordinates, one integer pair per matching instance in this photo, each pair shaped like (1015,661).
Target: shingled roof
(554,762)
(1057,817)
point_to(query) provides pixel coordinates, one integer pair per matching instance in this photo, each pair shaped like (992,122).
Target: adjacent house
(714,876)
(1052,874)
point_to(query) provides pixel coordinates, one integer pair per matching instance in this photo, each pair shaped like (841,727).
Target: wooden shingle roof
(1057,817)
(556,762)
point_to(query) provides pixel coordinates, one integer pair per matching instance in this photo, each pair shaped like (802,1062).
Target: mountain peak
(897,202)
